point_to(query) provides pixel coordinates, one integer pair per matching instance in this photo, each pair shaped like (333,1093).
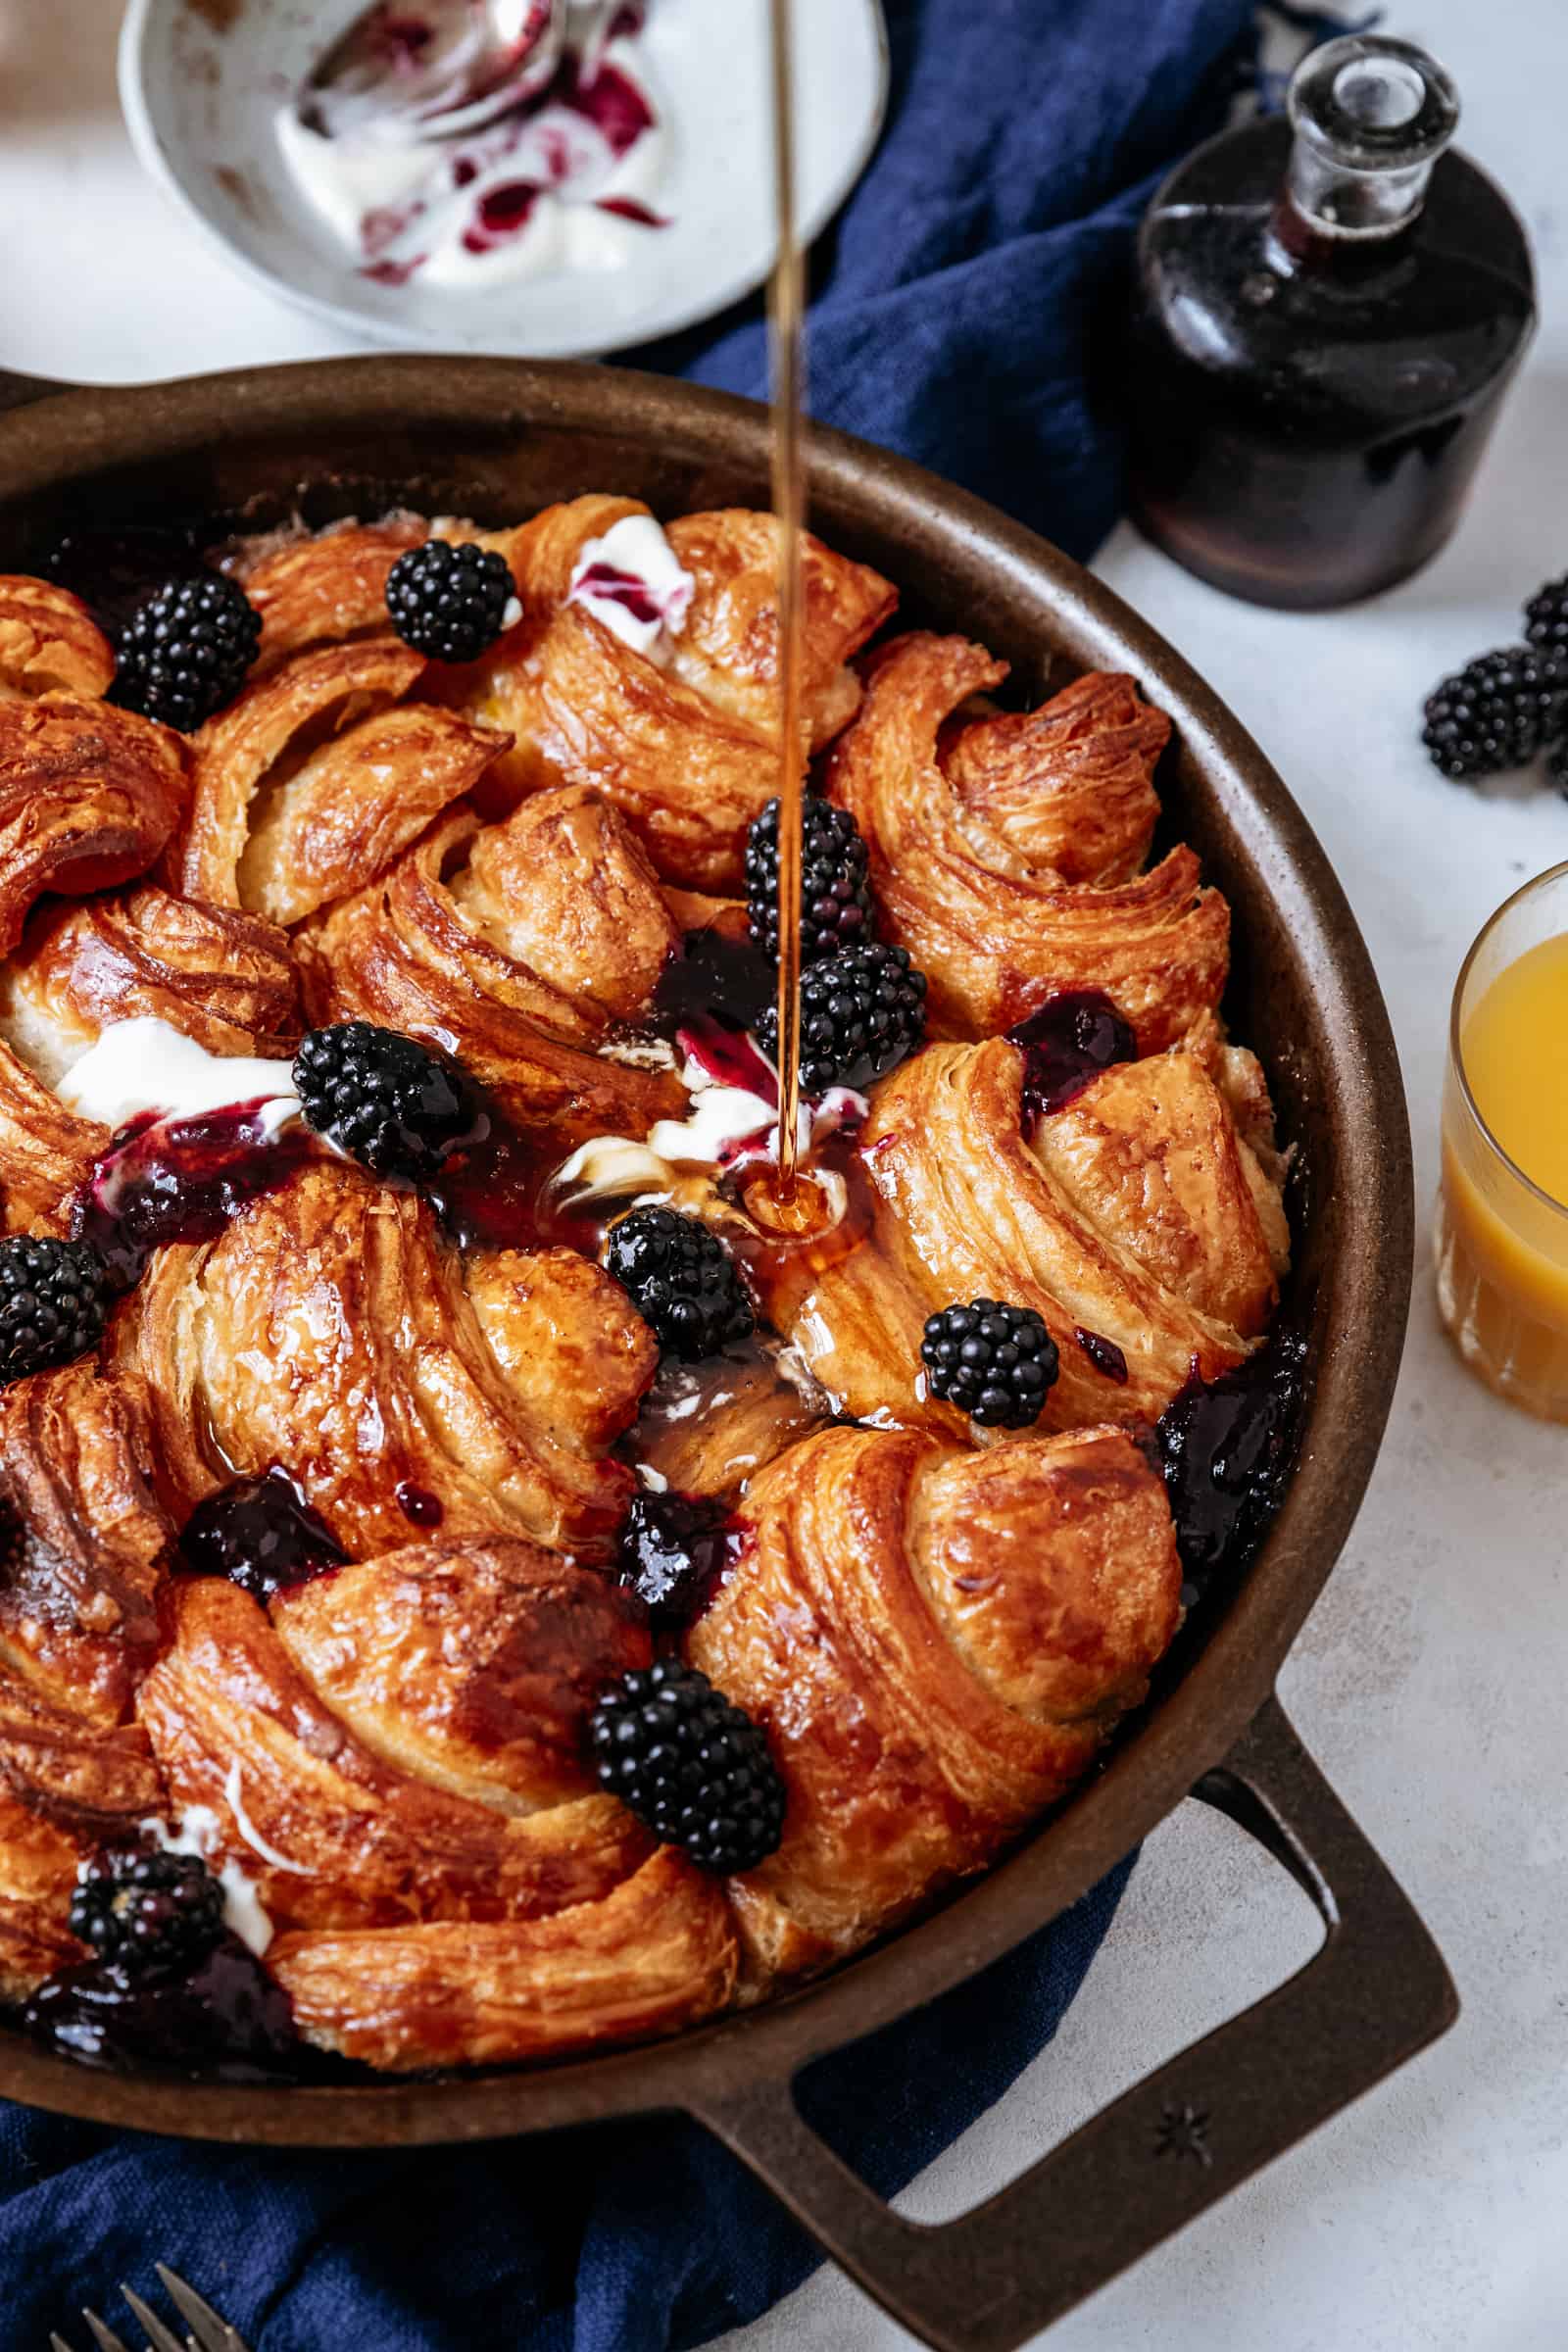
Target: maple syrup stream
(786,299)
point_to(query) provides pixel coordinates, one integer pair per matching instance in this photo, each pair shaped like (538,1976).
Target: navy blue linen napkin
(954,307)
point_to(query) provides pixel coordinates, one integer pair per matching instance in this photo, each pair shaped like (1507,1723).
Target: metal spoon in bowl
(410,69)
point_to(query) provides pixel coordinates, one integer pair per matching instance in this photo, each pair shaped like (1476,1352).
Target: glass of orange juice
(1502,1213)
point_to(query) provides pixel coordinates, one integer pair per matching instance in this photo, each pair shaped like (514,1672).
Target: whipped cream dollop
(145,1064)
(632,580)
(565,178)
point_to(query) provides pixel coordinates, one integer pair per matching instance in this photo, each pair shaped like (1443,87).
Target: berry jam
(261,1534)
(419,1506)
(601,581)
(673,1550)
(728,980)
(1227,1448)
(181,1180)
(1103,1353)
(611,102)
(224,2016)
(1066,1044)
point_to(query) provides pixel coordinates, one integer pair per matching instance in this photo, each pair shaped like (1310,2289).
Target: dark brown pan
(496,439)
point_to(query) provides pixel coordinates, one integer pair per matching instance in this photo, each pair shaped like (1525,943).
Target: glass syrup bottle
(1329,310)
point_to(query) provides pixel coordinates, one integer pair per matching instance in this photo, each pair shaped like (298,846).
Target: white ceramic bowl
(203,82)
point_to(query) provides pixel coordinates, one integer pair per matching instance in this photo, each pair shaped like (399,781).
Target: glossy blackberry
(184,653)
(1497,712)
(995,1363)
(835,896)
(450,601)
(396,1106)
(262,1535)
(1546,618)
(862,1011)
(681,1280)
(691,1764)
(52,1300)
(145,1909)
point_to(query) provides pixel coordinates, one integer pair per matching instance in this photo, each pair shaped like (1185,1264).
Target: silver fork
(208,2330)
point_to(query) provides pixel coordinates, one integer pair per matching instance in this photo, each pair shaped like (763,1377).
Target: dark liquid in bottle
(1307,409)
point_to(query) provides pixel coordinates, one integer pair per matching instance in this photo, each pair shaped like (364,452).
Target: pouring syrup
(786,304)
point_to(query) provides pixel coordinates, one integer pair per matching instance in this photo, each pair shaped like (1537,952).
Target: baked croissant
(88,797)
(415,1376)
(315,777)
(688,751)
(1136,1215)
(396,1760)
(494,941)
(1003,851)
(938,1642)
(49,642)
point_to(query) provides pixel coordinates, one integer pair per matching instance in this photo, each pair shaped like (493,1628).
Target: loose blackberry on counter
(1546,618)
(690,1765)
(1497,712)
(185,652)
(449,599)
(144,1908)
(862,1011)
(396,1106)
(996,1363)
(835,895)
(681,1280)
(53,1303)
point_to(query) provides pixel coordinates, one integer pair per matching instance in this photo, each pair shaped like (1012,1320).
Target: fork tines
(208,2330)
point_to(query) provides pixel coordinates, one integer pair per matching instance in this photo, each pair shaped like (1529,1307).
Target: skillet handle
(1374,1994)
(21,391)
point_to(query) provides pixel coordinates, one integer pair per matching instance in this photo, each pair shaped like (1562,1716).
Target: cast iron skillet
(496,439)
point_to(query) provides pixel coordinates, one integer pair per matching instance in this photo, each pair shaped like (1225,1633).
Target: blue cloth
(954,305)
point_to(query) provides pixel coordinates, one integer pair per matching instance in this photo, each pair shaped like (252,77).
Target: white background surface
(1430,1681)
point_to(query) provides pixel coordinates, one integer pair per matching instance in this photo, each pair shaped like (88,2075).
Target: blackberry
(862,1011)
(681,1280)
(1497,712)
(1546,618)
(450,600)
(995,1363)
(140,1908)
(184,653)
(835,899)
(396,1106)
(262,1535)
(53,1301)
(690,1764)
(672,1551)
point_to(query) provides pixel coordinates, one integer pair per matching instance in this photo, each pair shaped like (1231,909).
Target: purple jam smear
(1227,1448)
(181,1180)
(675,1548)
(604,582)
(1103,1353)
(1066,1044)
(419,1506)
(224,2016)
(728,1058)
(628,208)
(725,980)
(501,212)
(262,1535)
(611,102)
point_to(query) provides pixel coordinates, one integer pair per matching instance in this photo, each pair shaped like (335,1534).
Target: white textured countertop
(1430,1680)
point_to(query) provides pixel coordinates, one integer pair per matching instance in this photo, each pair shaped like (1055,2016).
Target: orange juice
(1502,1217)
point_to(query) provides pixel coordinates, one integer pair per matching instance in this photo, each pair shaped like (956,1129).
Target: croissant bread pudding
(486,1573)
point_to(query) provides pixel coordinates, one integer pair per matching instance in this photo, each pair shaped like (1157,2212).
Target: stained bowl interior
(496,440)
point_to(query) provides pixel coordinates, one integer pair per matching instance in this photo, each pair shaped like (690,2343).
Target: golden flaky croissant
(938,1642)
(687,749)
(325,1571)
(1005,853)
(1136,1215)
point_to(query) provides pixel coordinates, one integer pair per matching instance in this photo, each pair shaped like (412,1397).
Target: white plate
(202,82)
